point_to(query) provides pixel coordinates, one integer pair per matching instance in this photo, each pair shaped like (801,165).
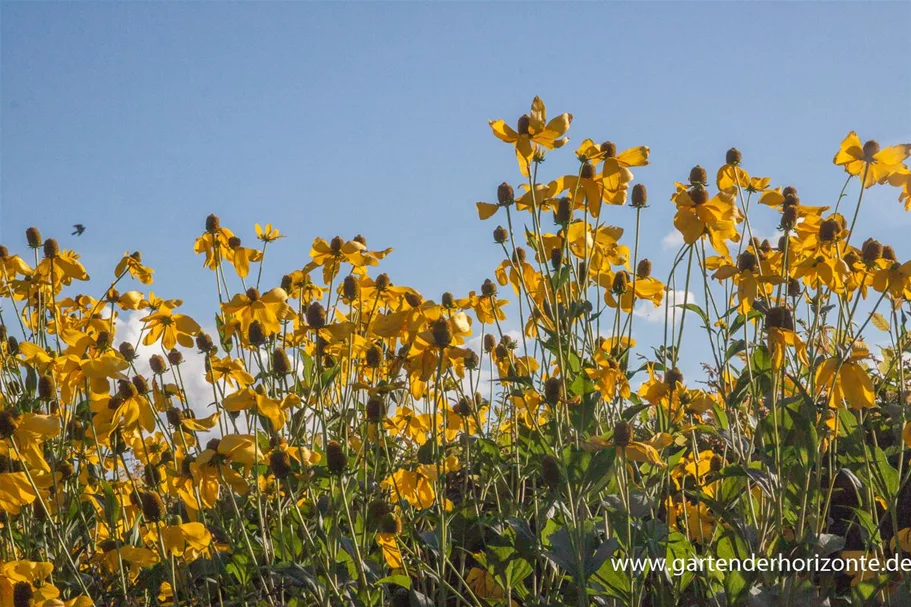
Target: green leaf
(731,546)
(399,580)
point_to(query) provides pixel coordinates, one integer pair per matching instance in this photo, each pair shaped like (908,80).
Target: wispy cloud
(672,240)
(651,313)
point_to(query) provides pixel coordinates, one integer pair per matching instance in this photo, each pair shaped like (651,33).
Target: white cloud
(651,313)
(192,370)
(672,240)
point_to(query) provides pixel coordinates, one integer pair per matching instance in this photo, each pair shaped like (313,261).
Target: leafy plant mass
(361,444)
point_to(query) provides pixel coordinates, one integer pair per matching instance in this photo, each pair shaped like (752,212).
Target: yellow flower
(170,329)
(188,540)
(870,162)
(15,492)
(532,130)
(132,263)
(269,309)
(609,377)
(34,574)
(268,233)
(697,217)
(241,257)
(847,380)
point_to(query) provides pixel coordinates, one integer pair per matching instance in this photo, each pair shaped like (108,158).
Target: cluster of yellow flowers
(362,444)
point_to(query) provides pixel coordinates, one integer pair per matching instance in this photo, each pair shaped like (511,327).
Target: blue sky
(139,119)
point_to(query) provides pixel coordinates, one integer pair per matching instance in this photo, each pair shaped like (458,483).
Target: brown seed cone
(550,471)
(779,318)
(623,434)
(280,464)
(316,315)
(442,332)
(553,390)
(336,459)
(152,506)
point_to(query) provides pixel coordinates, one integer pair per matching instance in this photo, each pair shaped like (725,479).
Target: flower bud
(888,254)
(152,506)
(376,510)
(373,356)
(716,463)
(157,364)
(644,269)
(587,171)
(204,343)
(447,300)
(463,407)
(47,388)
(256,335)
(66,470)
(793,287)
(779,318)
(564,211)
(609,149)
(174,416)
(336,459)
(316,315)
(280,362)
(556,258)
(640,196)
(733,156)
(489,288)
(33,237)
(413,299)
(698,176)
(673,377)
(127,351)
(351,288)
(829,230)
(788,218)
(212,223)
(141,384)
(871,149)
(442,332)
(51,249)
(490,342)
(620,284)
(382,282)
(523,124)
(376,409)
(699,195)
(872,251)
(623,434)
(8,423)
(280,464)
(505,194)
(390,524)
(553,390)
(550,471)
(175,357)
(746,261)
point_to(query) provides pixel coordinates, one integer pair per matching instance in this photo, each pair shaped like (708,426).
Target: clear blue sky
(139,119)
